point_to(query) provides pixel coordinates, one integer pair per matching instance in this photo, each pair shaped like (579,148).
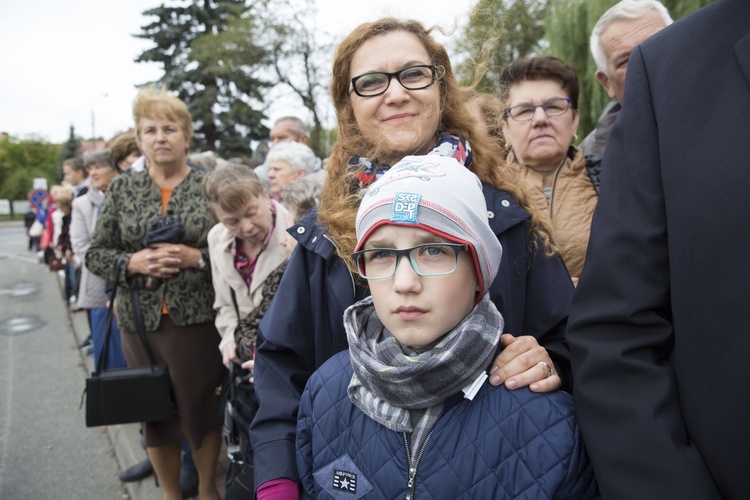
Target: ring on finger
(550,370)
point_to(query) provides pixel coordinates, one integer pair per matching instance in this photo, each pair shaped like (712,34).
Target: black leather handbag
(129,395)
(163,230)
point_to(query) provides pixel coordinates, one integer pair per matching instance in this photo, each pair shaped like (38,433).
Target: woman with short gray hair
(92,295)
(287,162)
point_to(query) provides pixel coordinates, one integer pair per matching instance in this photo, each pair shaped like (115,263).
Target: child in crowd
(406,412)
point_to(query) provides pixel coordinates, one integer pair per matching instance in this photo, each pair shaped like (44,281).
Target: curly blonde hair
(63,197)
(339,202)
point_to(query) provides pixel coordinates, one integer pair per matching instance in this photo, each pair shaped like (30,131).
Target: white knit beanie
(440,195)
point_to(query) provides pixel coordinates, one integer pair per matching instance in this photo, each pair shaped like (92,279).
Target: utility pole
(93,121)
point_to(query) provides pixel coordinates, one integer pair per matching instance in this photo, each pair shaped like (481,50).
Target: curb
(11,223)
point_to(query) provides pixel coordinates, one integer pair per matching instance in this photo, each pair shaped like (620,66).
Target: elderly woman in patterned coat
(171,281)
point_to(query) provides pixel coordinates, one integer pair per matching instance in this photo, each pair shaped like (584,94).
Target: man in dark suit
(660,326)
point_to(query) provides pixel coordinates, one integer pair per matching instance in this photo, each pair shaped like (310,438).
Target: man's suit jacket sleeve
(620,330)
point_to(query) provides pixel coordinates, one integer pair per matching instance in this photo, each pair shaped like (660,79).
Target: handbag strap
(237,308)
(140,325)
(234,301)
(235,373)
(110,314)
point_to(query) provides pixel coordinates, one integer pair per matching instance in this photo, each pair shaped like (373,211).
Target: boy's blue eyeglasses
(428,259)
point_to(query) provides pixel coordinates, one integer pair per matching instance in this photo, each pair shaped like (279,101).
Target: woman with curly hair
(395,95)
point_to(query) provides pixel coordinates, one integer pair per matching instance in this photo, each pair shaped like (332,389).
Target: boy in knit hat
(406,411)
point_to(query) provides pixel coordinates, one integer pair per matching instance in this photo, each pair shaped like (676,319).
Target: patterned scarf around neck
(449,144)
(405,389)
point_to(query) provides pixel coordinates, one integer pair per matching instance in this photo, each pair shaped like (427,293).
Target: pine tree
(70,147)
(195,45)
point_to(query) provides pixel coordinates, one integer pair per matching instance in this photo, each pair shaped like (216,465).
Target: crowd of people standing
(448,229)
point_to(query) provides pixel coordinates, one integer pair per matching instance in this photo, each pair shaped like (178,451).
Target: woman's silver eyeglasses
(552,108)
(415,77)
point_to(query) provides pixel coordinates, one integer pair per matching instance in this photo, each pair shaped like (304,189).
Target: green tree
(299,57)
(498,32)
(569,24)
(202,50)
(70,147)
(23,160)
(286,48)
(568,29)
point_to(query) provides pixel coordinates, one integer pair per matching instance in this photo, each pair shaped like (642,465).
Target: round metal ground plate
(21,324)
(21,289)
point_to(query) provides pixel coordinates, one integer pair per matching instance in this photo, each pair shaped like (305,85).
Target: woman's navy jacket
(304,326)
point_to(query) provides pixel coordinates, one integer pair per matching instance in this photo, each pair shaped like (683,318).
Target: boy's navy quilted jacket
(503,444)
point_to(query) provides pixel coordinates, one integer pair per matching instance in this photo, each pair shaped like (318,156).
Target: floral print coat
(133,203)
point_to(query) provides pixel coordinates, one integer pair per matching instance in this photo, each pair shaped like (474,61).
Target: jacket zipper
(554,188)
(413,469)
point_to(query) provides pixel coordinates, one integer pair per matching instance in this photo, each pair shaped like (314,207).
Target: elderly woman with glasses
(395,95)
(539,125)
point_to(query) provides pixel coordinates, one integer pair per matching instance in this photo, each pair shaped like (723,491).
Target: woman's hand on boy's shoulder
(523,362)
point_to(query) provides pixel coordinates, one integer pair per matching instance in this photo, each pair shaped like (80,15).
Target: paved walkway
(46,451)
(37,366)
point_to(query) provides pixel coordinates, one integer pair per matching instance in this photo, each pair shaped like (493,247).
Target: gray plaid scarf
(405,389)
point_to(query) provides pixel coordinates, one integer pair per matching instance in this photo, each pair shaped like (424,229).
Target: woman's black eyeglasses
(415,77)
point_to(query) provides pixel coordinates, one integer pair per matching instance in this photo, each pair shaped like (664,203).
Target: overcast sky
(64,61)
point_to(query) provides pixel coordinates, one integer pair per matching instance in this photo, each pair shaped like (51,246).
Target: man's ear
(604,80)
